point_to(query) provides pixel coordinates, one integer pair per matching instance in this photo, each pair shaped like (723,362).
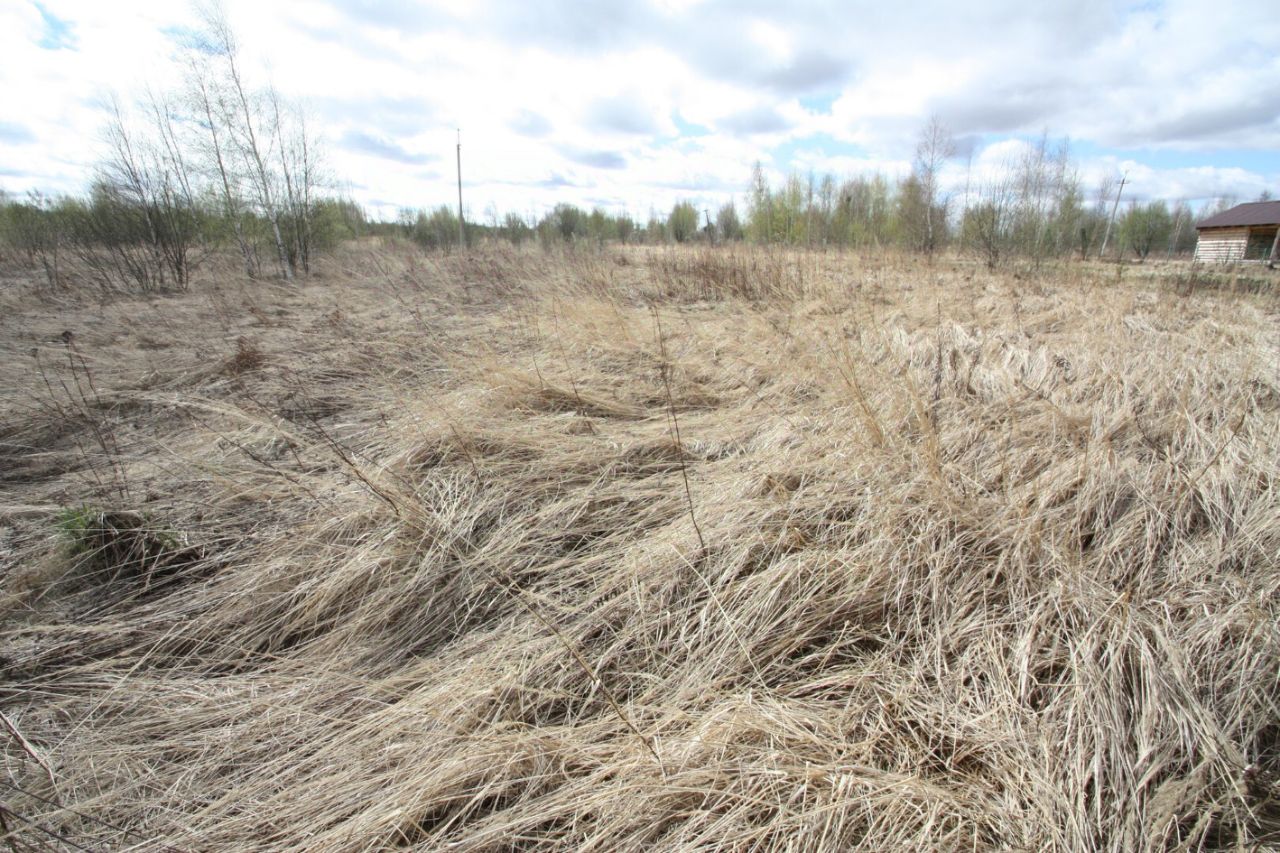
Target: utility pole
(1107,234)
(462,233)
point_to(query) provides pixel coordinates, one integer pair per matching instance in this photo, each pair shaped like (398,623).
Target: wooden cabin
(1246,232)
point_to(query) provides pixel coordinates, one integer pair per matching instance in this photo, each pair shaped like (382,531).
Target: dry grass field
(668,549)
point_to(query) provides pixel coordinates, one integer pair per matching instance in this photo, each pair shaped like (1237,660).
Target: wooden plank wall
(1222,245)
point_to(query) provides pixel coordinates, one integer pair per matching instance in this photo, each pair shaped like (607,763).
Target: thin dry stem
(371,562)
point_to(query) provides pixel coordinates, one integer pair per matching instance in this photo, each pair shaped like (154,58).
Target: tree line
(1034,207)
(215,161)
(218,162)
(564,224)
(119,245)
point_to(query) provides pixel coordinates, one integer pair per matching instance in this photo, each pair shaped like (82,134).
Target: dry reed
(982,561)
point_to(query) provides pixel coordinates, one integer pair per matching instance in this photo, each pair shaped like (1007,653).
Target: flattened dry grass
(964,560)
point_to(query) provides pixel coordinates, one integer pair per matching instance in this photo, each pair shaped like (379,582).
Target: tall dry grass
(621,551)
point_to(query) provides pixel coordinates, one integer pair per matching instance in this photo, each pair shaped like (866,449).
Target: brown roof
(1252,213)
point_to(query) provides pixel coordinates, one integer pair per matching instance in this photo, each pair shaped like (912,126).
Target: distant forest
(221,164)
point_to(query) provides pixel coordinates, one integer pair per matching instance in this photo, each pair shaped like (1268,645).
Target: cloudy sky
(633,105)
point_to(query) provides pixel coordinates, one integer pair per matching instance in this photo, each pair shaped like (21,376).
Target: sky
(632,106)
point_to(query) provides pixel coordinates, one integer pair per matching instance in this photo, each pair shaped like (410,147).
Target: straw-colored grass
(621,551)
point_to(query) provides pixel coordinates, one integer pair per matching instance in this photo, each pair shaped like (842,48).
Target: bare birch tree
(298,168)
(143,212)
(988,223)
(244,123)
(209,107)
(935,146)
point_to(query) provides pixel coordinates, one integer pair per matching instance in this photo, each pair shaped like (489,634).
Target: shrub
(683,222)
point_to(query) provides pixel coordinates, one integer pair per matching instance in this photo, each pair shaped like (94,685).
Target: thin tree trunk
(127,161)
(291,203)
(250,148)
(230,206)
(308,181)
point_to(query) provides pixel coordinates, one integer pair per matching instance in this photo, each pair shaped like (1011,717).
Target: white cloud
(586,101)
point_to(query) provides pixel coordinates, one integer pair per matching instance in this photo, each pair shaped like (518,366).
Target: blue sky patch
(15,134)
(58,33)
(686,129)
(786,156)
(819,104)
(190,37)
(1265,162)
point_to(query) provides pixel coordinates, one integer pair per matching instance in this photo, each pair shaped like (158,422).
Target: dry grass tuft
(247,357)
(676,549)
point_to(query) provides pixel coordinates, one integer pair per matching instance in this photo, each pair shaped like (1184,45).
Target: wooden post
(1275,246)
(462,232)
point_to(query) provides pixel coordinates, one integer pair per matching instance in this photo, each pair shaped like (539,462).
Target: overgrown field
(704,549)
